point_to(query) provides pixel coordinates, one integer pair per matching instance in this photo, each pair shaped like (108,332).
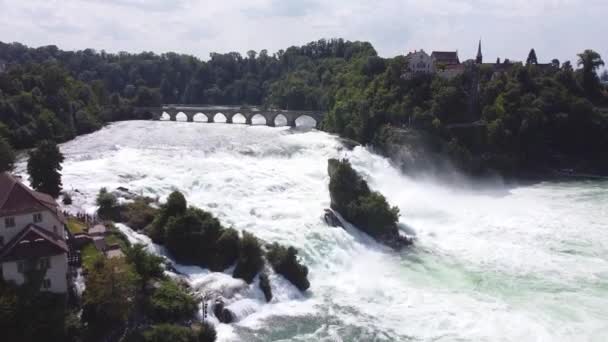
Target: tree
(590,61)
(176,204)
(108,205)
(43,167)
(110,294)
(532,58)
(147,265)
(567,66)
(555,63)
(7,156)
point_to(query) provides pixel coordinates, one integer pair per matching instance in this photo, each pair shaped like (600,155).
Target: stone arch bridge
(229,113)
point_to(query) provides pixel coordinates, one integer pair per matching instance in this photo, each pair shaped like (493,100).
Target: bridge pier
(291,122)
(248,120)
(190,118)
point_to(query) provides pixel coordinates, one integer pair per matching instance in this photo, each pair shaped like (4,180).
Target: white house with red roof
(32,234)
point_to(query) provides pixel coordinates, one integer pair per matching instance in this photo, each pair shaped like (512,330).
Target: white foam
(527,263)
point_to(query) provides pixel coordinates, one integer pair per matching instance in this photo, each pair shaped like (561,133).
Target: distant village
(446,64)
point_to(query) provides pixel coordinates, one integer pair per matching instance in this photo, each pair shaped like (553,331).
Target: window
(37,217)
(21,266)
(44,263)
(9,222)
(46,283)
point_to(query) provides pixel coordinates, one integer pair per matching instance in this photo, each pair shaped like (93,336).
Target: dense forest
(527,115)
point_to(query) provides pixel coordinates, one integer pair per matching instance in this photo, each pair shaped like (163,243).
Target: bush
(227,247)
(169,332)
(250,261)
(191,237)
(171,303)
(285,262)
(207,333)
(265,286)
(108,205)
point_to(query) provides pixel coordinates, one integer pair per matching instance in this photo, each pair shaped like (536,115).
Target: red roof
(16,198)
(33,242)
(446,57)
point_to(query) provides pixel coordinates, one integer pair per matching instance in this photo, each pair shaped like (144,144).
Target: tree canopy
(44,166)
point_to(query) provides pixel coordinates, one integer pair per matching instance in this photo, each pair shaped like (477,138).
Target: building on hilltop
(445,58)
(418,62)
(33,236)
(444,63)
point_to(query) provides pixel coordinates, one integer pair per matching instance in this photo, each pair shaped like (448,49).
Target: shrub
(207,333)
(169,332)
(227,247)
(171,303)
(250,260)
(285,262)
(147,265)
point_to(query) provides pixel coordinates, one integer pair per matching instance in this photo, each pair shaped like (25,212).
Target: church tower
(479,58)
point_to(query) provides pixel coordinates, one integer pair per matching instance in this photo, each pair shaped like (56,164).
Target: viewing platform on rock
(194,113)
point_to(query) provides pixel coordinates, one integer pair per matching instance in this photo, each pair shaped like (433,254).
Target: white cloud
(509,28)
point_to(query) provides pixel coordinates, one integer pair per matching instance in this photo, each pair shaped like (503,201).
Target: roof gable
(16,198)
(33,242)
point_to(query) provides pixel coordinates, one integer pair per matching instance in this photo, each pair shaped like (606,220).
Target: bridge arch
(278,120)
(181,116)
(200,117)
(308,121)
(164,117)
(239,118)
(259,119)
(220,117)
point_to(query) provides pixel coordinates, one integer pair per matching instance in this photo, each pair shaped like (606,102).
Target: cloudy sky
(508,28)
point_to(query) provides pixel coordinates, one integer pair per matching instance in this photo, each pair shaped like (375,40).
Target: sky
(508,28)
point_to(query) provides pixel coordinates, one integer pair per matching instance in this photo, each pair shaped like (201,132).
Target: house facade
(418,62)
(33,236)
(446,64)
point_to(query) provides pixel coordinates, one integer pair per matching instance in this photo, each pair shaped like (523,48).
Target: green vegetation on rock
(170,302)
(367,210)
(284,260)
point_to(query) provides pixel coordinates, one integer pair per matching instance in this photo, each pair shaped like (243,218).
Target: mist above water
(521,264)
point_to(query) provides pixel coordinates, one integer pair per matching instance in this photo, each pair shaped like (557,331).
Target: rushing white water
(527,263)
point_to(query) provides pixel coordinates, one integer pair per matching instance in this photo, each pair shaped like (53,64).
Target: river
(524,263)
